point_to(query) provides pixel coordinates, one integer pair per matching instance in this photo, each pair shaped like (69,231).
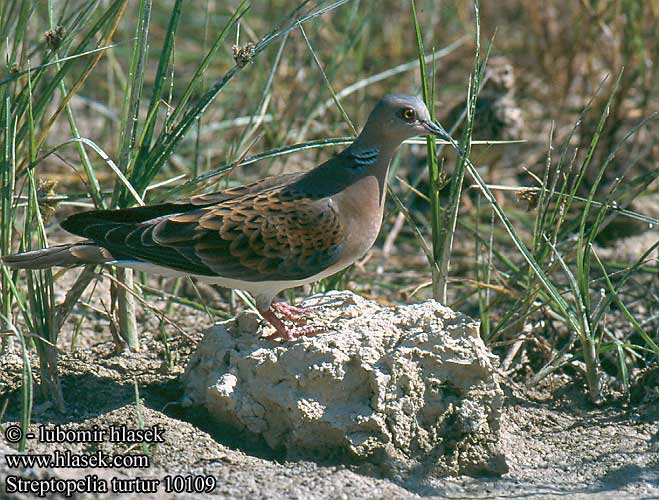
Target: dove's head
(398,117)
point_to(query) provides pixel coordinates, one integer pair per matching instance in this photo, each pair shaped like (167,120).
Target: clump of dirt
(404,388)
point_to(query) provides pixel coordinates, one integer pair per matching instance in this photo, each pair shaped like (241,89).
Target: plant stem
(126,308)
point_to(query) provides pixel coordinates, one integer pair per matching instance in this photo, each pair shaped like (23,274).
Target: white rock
(400,387)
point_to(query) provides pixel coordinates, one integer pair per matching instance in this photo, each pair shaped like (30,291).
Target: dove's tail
(73,254)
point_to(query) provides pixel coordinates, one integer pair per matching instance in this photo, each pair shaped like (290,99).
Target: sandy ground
(557,448)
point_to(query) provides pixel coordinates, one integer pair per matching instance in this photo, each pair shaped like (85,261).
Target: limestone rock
(400,387)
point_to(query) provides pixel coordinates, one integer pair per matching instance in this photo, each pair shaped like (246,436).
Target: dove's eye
(409,115)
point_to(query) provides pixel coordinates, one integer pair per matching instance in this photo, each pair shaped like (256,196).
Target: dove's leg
(293,313)
(282,331)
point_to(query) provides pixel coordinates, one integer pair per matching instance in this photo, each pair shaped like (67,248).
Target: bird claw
(296,333)
(293,314)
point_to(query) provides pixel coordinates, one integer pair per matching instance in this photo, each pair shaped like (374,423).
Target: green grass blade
(133,94)
(439,284)
(161,75)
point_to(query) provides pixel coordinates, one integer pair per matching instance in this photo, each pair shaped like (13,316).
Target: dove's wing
(271,234)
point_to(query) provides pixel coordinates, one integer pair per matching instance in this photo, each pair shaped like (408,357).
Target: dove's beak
(435,129)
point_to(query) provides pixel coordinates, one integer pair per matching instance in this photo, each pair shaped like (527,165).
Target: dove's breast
(361,207)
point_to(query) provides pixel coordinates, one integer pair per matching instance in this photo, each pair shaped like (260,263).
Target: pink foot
(292,313)
(295,333)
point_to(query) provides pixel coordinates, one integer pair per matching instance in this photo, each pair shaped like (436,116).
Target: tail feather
(73,254)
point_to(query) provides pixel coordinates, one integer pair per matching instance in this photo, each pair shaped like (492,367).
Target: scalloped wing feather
(265,231)
(277,235)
